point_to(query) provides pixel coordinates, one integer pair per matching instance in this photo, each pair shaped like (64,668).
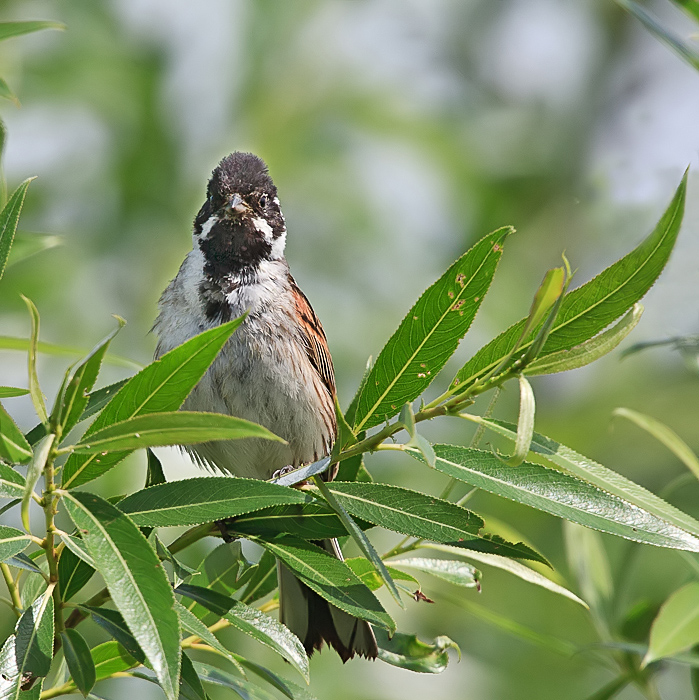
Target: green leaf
(429,334)
(28,244)
(682,48)
(112,622)
(12,29)
(11,482)
(190,685)
(110,658)
(26,654)
(413,513)
(676,627)
(514,567)
(548,293)
(204,500)
(160,387)
(665,435)
(360,539)
(457,572)
(6,92)
(590,308)
(252,622)
(99,398)
(14,447)
(7,392)
(155,474)
(330,578)
(222,567)
(72,398)
(136,582)
(73,574)
(287,688)
(22,561)
(612,689)
(407,651)
(171,428)
(34,471)
(263,580)
(9,216)
(34,388)
(368,576)
(606,479)
(12,542)
(243,688)
(588,561)
(77,546)
(561,495)
(525,424)
(194,625)
(79,660)
(589,351)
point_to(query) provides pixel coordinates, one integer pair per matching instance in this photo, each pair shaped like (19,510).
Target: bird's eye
(263,201)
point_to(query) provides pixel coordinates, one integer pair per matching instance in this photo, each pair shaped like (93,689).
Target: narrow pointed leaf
(171,428)
(665,435)
(284,686)
(368,576)
(112,622)
(6,92)
(160,387)
(205,499)
(407,651)
(413,513)
(14,447)
(7,392)
(606,479)
(190,684)
(244,689)
(12,29)
(28,244)
(73,574)
(252,622)
(136,582)
(22,561)
(34,388)
(12,542)
(589,351)
(514,567)
(34,638)
(263,581)
(676,628)
(11,482)
(561,495)
(590,308)
(36,467)
(9,216)
(79,660)
(429,334)
(99,398)
(77,546)
(457,572)
(155,474)
(72,397)
(110,658)
(330,578)
(525,424)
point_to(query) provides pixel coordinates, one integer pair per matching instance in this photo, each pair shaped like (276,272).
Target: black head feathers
(240,173)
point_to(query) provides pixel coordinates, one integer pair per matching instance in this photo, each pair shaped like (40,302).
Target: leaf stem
(50,505)
(12,588)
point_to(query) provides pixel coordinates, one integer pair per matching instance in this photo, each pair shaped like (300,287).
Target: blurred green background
(397,133)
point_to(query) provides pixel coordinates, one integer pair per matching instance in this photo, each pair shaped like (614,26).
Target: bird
(275,370)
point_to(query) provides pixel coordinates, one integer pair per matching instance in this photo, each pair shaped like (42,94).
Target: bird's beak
(235,205)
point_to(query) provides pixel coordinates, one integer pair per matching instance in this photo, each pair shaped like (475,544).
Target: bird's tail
(314,621)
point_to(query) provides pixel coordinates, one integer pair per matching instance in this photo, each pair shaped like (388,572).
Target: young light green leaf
(7,392)
(606,479)
(160,387)
(14,447)
(456,572)
(28,244)
(587,560)
(72,397)
(525,424)
(9,218)
(34,388)
(12,29)
(112,622)
(667,36)
(205,499)
(514,567)
(589,351)
(110,658)
(368,576)
(665,435)
(550,289)
(36,467)
(561,495)
(73,574)
(12,542)
(407,651)
(171,428)
(588,309)
(11,482)
(252,622)
(330,578)
(136,582)
(429,334)
(79,660)
(360,538)
(6,92)
(676,627)
(243,688)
